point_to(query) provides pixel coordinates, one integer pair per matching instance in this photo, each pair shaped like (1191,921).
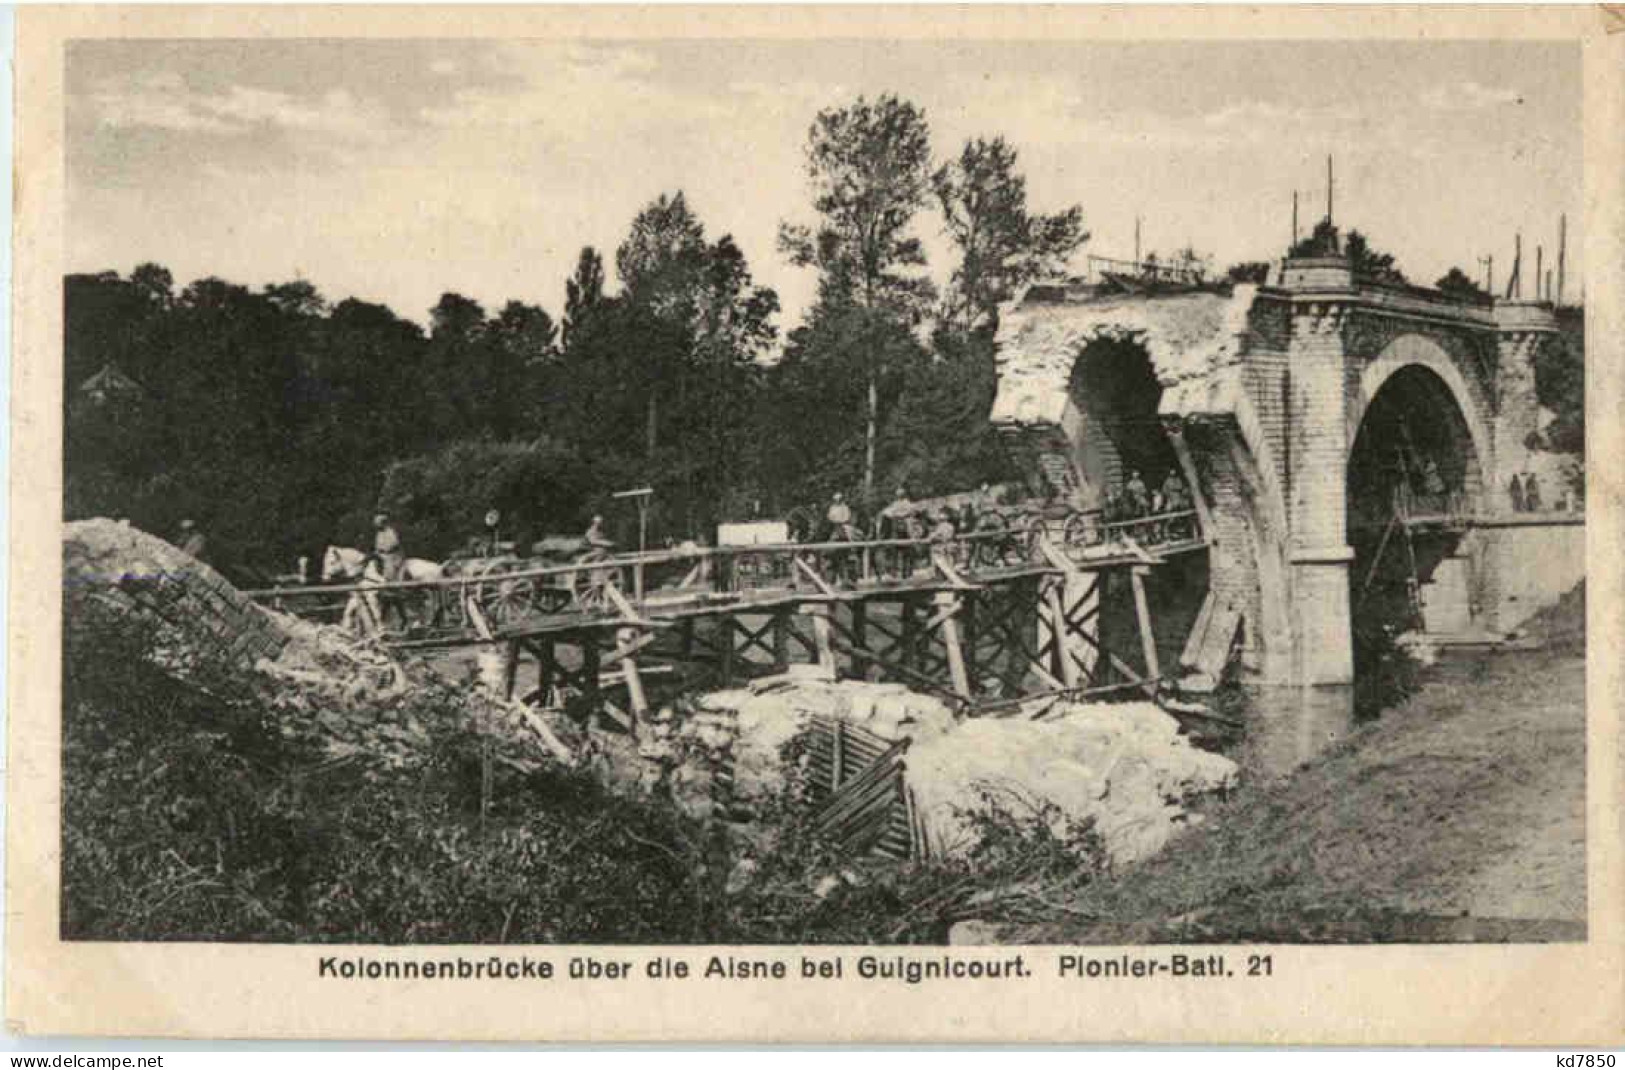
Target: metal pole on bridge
(641,496)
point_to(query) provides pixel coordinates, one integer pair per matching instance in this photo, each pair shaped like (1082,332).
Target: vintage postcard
(817,524)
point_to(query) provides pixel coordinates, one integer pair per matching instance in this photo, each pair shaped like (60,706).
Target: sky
(396,170)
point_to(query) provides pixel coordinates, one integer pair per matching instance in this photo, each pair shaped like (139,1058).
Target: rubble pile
(1123,766)
(721,753)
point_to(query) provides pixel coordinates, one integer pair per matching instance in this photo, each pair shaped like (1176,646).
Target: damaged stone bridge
(1295,409)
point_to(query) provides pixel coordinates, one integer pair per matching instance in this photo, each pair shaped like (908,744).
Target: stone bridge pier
(1296,409)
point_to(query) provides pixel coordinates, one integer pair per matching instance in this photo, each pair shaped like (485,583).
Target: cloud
(571,91)
(1468,96)
(163,101)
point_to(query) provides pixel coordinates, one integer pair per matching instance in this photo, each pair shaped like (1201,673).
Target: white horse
(356,566)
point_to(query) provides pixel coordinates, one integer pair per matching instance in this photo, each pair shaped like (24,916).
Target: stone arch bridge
(1289,406)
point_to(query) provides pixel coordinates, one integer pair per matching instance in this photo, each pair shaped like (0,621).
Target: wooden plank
(1058,629)
(838,750)
(947,611)
(1215,652)
(627,643)
(549,740)
(817,580)
(1193,642)
(904,671)
(1188,467)
(1142,610)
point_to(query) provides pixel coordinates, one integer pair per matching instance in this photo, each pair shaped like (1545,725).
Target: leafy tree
(1370,263)
(155,283)
(526,333)
(583,291)
(817,412)
(663,256)
(869,165)
(1001,244)
(1249,271)
(1457,284)
(1324,240)
(1560,384)
(298,298)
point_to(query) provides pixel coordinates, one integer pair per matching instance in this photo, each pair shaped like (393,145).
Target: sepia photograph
(942,495)
(1075,522)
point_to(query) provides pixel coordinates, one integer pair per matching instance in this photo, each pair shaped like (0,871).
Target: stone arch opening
(1413,447)
(1413,470)
(1112,420)
(1114,429)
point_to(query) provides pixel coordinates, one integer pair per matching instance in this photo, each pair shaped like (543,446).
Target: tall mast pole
(1540,272)
(1136,241)
(1330,185)
(1294,221)
(1562,252)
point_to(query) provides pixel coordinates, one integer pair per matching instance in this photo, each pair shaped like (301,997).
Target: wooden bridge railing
(688,573)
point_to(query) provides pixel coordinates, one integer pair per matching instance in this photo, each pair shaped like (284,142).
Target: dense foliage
(280,422)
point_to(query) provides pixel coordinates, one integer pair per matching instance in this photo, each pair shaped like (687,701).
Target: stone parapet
(1516,316)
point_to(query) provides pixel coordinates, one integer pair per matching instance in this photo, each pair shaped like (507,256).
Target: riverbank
(1458,816)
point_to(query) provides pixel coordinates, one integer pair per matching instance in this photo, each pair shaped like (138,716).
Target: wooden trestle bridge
(981,620)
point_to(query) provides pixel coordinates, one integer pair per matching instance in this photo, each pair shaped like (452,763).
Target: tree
(1249,271)
(1369,263)
(155,283)
(663,255)
(1001,244)
(583,291)
(690,323)
(1457,284)
(526,333)
(456,318)
(297,298)
(1322,241)
(869,165)
(660,265)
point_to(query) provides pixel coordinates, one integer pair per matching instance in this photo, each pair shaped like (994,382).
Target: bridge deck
(731,581)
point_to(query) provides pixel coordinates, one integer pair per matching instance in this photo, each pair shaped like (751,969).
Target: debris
(1123,766)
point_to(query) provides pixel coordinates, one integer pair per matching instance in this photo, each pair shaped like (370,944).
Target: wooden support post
(908,636)
(510,669)
(781,641)
(860,629)
(589,668)
(948,613)
(726,667)
(546,670)
(1062,649)
(819,612)
(1148,638)
(971,637)
(627,641)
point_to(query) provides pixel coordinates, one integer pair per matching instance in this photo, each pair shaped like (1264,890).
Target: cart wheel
(509,601)
(1079,531)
